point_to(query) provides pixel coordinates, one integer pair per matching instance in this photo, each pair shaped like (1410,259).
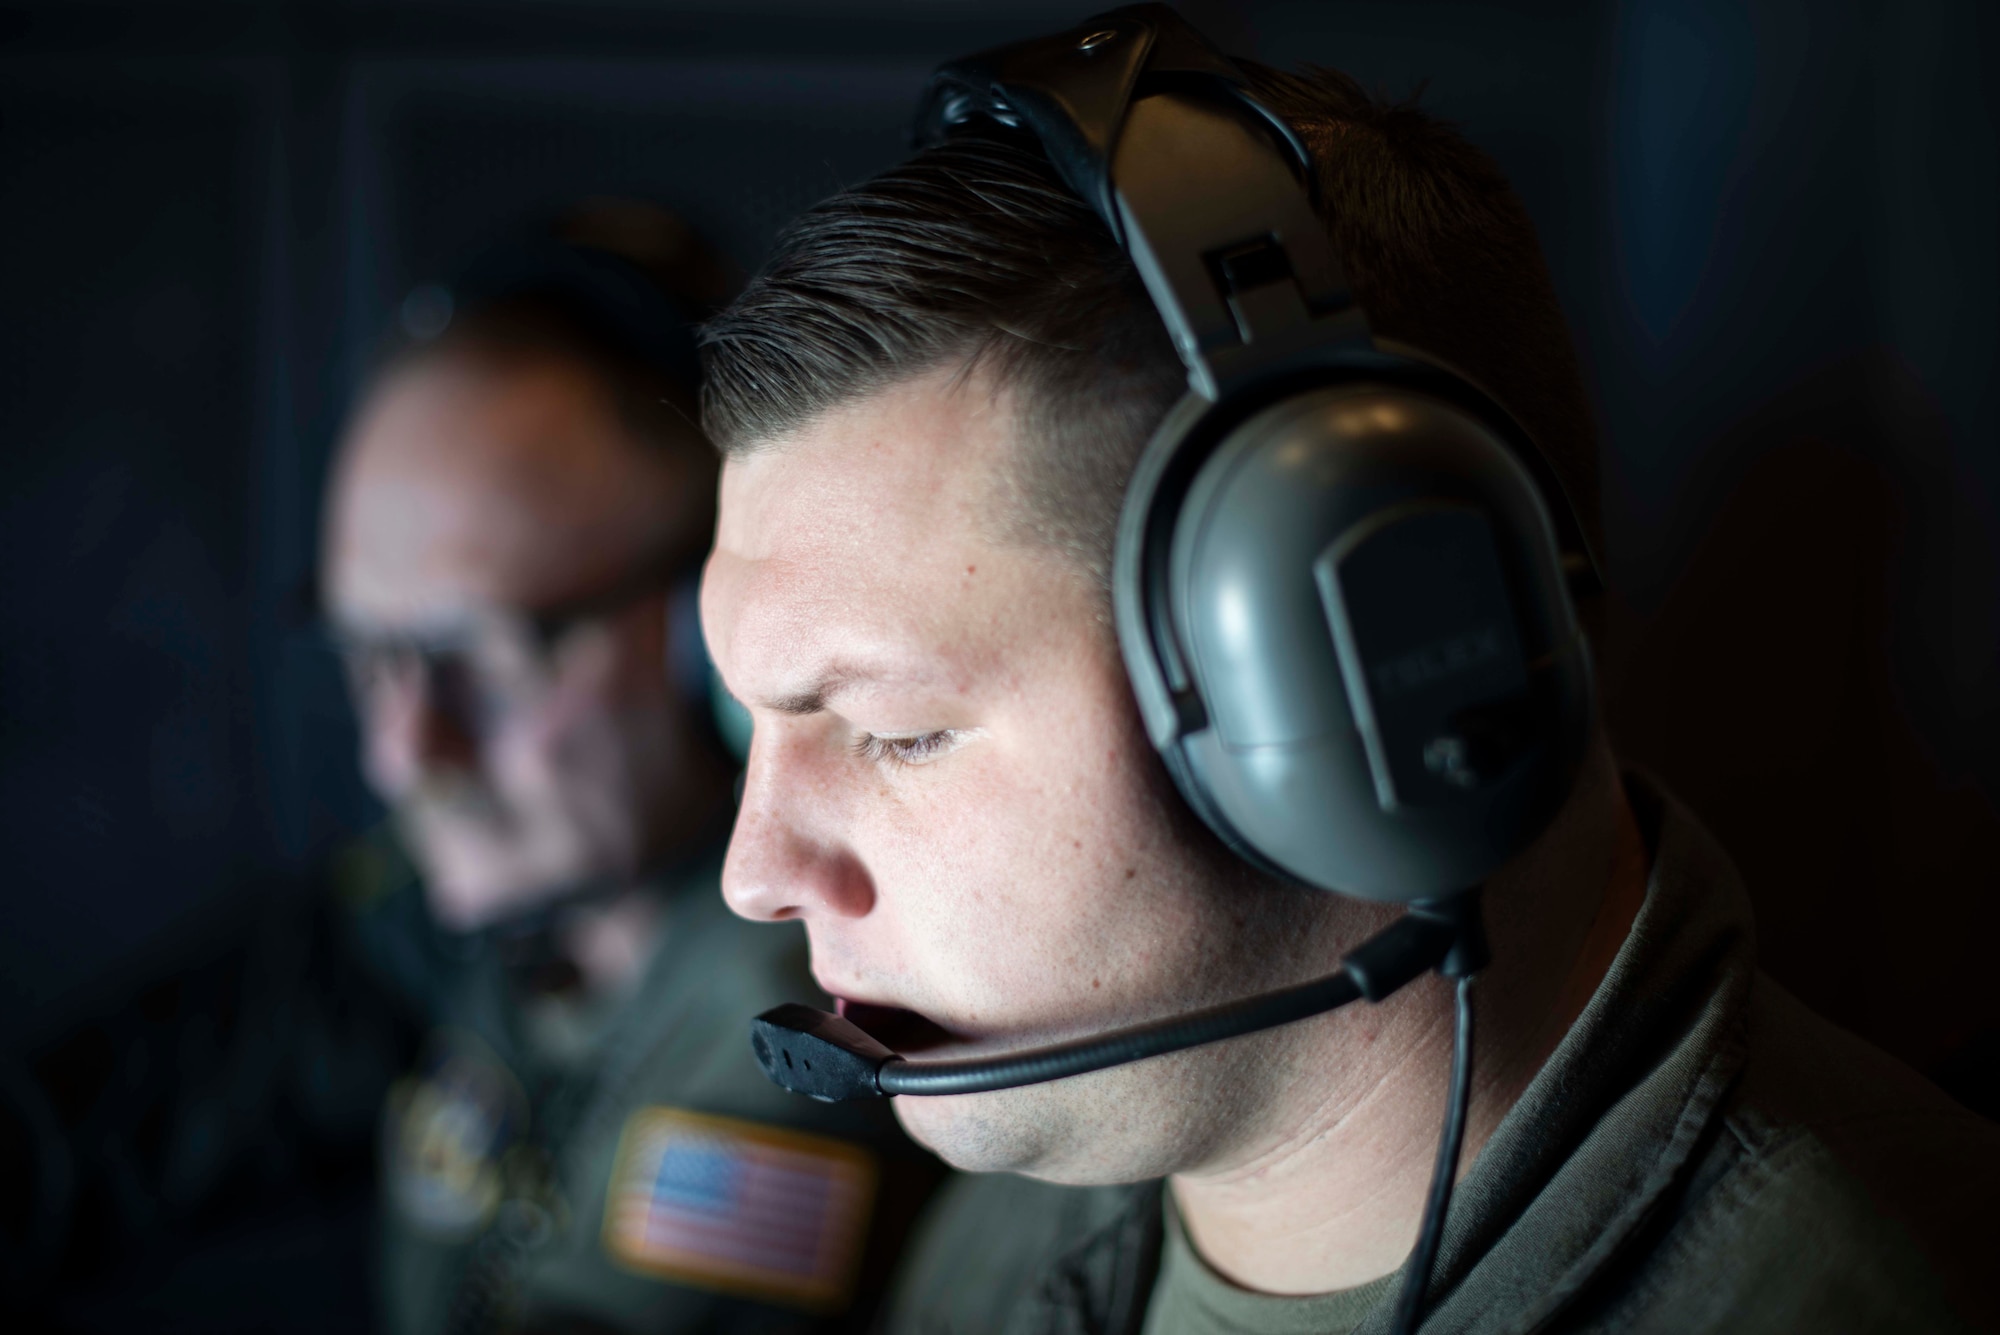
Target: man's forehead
(862,535)
(916,464)
(459,486)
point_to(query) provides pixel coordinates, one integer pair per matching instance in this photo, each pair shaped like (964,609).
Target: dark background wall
(1772,225)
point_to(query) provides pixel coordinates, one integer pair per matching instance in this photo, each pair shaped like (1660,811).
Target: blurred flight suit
(554,1165)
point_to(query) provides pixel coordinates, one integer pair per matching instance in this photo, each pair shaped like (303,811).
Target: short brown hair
(975,251)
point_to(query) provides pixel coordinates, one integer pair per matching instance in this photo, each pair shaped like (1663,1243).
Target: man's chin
(1073,1132)
(977,1133)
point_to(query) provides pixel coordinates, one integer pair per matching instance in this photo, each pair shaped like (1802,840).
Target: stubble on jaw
(1206,1108)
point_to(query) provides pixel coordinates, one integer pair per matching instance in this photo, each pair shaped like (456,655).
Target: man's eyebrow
(834,681)
(812,699)
(805,702)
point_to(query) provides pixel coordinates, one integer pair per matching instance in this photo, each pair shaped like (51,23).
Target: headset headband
(1131,105)
(1071,90)
(1242,271)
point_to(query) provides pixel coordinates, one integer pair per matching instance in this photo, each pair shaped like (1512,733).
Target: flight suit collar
(1613,1122)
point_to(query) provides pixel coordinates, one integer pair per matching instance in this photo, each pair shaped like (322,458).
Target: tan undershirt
(1189,1298)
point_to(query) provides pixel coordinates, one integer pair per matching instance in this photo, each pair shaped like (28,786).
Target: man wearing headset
(929,404)
(515,516)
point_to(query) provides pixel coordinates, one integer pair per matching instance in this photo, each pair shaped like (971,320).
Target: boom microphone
(828,1058)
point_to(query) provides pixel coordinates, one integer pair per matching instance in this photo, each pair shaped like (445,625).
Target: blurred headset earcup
(732,720)
(688,664)
(692,672)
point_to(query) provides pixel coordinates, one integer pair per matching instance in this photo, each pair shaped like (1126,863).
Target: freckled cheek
(1116,914)
(1012,888)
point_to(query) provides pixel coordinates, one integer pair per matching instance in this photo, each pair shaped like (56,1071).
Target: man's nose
(779,866)
(409,734)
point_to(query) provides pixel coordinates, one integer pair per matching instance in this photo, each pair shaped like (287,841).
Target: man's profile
(930,403)
(515,516)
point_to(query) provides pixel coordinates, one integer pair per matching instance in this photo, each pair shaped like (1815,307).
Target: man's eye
(914,750)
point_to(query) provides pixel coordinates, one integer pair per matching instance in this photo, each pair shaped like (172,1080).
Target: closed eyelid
(914,748)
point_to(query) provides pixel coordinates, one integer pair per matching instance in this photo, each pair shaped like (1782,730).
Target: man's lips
(901,1031)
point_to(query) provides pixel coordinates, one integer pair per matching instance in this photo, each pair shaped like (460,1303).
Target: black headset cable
(1417,1272)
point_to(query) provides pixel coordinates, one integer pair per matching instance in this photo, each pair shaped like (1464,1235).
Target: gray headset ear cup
(1350,622)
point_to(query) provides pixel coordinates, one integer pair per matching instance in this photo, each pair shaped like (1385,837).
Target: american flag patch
(723,1204)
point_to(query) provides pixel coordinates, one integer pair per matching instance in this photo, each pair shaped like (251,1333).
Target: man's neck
(1333,1197)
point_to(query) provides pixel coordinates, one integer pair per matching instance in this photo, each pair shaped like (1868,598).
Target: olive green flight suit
(1701,1153)
(631,1170)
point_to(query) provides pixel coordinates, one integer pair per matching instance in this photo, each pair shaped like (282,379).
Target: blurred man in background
(513,529)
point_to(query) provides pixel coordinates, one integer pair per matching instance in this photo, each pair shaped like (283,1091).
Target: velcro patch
(718,1203)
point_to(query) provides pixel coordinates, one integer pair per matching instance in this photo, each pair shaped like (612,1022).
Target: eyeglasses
(496,663)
